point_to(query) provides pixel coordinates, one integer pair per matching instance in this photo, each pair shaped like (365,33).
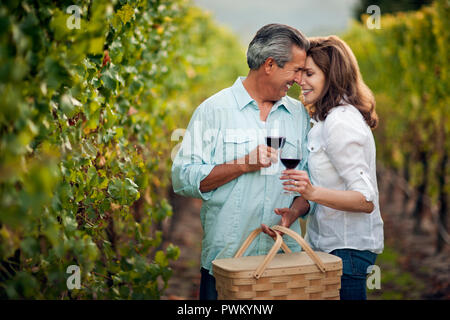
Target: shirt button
(360,172)
(312,148)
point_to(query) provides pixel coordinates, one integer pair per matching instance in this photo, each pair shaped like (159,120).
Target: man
(224,160)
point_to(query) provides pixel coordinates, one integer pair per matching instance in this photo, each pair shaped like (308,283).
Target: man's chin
(283,94)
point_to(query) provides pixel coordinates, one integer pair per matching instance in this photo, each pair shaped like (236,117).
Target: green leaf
(88,149)
(110,118)
(30,247)
(173,252)
(125,13)
(96,45)
(69,105)
(109,80)
(161,259)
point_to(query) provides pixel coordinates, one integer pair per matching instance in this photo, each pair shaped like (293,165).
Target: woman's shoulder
(345,119)
(345,112)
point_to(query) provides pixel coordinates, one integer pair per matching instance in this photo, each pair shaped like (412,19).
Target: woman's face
(313,81)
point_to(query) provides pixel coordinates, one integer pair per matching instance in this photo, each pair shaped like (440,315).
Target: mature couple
(225,166)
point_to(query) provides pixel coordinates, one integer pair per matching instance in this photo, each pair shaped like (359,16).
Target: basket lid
(289,260)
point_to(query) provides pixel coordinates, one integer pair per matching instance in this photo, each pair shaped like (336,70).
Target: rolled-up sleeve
(193,161)
(345,136)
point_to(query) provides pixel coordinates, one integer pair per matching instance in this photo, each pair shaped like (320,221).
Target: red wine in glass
(291,155)
(290,163)
(275,142)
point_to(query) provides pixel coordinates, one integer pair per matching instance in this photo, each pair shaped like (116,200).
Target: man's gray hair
(275,41)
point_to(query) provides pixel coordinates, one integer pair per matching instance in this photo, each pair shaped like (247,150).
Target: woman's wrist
(313,193)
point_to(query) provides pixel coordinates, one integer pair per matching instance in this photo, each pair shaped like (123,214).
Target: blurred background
(314,18)
(95,97)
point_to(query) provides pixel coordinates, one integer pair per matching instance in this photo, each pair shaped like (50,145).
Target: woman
(347,220)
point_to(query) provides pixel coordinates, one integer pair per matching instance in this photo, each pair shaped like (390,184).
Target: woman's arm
(345,200)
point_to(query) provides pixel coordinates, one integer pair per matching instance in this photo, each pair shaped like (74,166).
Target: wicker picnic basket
(306,275)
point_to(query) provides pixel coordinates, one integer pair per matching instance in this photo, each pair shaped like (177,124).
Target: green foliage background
(406,64)
(86,118)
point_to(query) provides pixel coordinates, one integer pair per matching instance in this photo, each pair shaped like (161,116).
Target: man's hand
(289,215)
(261,157)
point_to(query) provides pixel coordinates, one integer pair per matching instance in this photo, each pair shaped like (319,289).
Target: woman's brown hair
(343,80)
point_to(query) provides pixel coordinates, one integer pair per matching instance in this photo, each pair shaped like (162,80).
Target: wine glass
(291,155)
(275,137)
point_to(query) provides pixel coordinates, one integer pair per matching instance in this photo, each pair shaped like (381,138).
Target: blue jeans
(354,273)
(207,286)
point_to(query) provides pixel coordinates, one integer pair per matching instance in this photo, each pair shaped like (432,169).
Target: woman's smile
(313,81)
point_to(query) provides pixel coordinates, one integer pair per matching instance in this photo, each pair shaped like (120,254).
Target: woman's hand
(298,181)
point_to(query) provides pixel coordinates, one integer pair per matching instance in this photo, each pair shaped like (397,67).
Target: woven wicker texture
(287,276)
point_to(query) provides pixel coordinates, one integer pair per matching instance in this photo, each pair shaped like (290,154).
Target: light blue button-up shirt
(225,127)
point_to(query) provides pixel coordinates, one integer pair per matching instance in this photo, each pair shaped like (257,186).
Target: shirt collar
(284,103)
(243,98)
(241,94)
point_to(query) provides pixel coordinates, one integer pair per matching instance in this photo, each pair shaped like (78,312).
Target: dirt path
(186,232)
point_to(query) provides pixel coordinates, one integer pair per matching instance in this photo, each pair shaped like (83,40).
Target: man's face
(283,78)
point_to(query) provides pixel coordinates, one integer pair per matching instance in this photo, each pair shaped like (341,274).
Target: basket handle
(250,239)
(314,257)
(278,243)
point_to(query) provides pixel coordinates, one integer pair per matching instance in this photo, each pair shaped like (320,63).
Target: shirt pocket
(317,156)
(320,167)
(314,146)
(236,146)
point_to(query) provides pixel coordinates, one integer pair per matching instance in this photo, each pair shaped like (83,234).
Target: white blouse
(342,157)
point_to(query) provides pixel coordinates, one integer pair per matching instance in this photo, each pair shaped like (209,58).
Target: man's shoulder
(222,99)
(222,95)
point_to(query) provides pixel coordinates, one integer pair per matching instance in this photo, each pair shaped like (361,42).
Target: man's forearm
(262,156)
(301,206)
(222,174)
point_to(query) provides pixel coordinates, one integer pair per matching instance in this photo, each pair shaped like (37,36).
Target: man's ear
(269,65)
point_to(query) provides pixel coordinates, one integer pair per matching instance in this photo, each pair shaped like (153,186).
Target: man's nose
(298,78)
(302,82)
